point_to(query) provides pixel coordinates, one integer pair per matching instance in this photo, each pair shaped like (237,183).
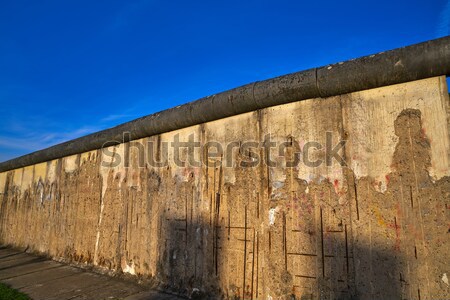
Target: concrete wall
(377,228)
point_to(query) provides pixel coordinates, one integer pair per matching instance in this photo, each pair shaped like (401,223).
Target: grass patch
(7,293)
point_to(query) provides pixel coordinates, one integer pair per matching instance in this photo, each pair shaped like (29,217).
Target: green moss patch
(8,293)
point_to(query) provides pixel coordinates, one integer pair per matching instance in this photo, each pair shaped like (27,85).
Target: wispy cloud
(443,27)
(21,135)
(20,143)
(33,141)
(116,117)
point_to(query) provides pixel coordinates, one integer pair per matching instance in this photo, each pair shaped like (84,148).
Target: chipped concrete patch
(71,163)
(52,171)
(372,137)
(272,213)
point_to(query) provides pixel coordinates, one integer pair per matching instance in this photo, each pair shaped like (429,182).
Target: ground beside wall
(368,217)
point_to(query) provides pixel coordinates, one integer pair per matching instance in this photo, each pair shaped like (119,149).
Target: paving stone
(41,278)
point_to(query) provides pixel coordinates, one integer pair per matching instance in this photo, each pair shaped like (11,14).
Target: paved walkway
(41,278)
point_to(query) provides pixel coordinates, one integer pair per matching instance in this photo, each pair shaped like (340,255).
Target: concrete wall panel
(353,203)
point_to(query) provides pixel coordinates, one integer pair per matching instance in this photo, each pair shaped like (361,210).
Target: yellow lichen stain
(2,182)
(17,178)
(40,171)
(27,178)
(378,216)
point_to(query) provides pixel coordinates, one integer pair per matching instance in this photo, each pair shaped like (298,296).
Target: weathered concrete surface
(377,228)
(41,278)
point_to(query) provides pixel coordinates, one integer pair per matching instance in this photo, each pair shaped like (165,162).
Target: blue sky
(70,68)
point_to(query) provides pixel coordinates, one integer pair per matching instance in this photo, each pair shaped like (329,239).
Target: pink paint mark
(388,179)
(424,134)
(336,186)
(336,182)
